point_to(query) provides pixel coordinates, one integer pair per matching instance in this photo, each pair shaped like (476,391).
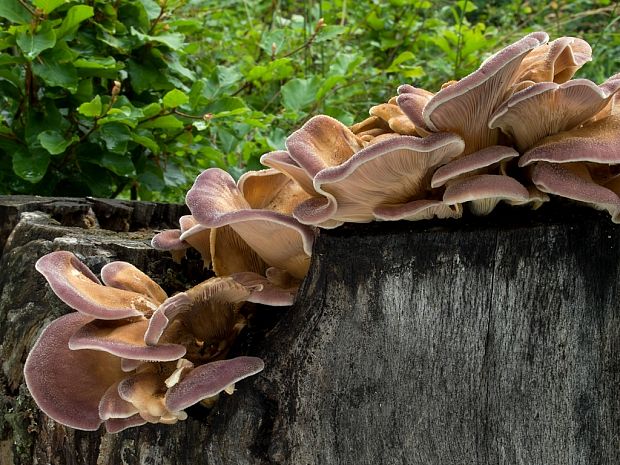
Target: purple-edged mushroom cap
(474,163)
(279,239)
(267,291)
(170,241)
(412,101)
(69,384)
(231,254)
(598,142)
(196,235)
(124,339)
(484,191)
(548,108)
(556,61)
(123,275)
(389,173)
(79,288)
(282,161)
(466,106)
(573,181)
(116,425)
(209,380)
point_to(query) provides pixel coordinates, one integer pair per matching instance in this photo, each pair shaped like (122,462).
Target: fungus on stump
(490,340)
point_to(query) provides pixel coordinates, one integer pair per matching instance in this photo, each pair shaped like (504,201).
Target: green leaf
(174,40)
(298,94)
(54,142)
(15,12)
(76,15)
(95,63)
(116,136)
(175,98)
(48,5)
(225,106)
(163,122)
(92,108)
(33,44)
(31,165)
(146,141)
(57,74)
(329,32)
(151,110)
(152,9)
(120,164)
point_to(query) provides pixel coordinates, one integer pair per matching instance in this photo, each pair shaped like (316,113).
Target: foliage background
(133,98)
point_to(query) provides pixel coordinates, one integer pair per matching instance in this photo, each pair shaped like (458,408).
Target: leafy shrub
(135,97)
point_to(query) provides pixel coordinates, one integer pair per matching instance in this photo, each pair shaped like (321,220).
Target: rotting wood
(483,341)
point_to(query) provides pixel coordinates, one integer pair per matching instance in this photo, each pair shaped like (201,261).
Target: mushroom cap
(196,235)
(112,405)
(556,61)
(598,142)
(321,143)
(472,164)
(123,275)
(396,119)
(392,172)
(271,190)
(124,340)
(572,180)
(116,425)
(78,287)
(465,107)
(412,101)
(210,379)
(279,239)
(68,385)
(282,161)
(484,191)
(547,108)
(169,240)
(264,291)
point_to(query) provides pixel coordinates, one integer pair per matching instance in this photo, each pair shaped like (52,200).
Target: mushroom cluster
(130,354)
(516,130)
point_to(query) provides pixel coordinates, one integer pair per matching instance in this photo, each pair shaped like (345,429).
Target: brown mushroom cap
(210,379)
(282,161)
(472,164)
(392,172)
(170,241)
(556,61)
(123,339)
(69,384)
(547,108)
(76,286)
(465,107)
(123,275)
(484,192)
(196,235)
(573,181)
(598,142)
(266,292)
(321,143)
(279,239)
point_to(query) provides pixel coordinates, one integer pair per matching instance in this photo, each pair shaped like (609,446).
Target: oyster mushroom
(278,238)
(548,108)
(466,106)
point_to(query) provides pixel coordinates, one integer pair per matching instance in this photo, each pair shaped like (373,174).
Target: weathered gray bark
(493,341)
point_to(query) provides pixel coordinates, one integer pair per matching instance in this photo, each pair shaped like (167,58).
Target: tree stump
(485,341)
